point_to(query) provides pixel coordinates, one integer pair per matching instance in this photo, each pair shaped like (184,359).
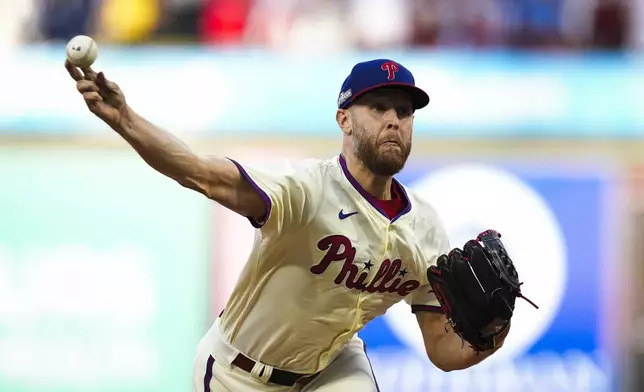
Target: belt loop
(261,372)
(268,372)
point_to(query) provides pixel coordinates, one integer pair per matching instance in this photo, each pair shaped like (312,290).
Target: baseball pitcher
(338,242)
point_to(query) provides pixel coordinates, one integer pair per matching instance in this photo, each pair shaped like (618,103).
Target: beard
(381,163)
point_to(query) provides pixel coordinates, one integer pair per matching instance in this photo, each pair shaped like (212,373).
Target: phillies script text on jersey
(386,279)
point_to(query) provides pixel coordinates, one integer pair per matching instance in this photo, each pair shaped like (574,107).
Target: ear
(343,118)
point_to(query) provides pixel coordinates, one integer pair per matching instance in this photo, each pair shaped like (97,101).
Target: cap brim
(419,97)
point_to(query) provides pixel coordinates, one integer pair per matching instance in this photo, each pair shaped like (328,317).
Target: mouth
(390,143)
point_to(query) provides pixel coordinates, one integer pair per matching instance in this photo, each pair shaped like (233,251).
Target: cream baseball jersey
(325,262)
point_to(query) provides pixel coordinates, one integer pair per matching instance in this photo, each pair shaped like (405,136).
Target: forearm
(450,352)
(162,151)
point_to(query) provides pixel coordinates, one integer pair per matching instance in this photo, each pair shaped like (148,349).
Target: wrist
(125,119)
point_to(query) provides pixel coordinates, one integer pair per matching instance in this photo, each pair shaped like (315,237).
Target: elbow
(445,369)
(448,369)
(443,366)
(193,184)
(446,362)
(197,178)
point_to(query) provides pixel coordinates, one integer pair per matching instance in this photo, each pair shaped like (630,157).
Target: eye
(379,107)
(404,111)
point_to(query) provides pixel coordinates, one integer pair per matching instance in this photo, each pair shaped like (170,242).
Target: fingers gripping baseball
(103,97)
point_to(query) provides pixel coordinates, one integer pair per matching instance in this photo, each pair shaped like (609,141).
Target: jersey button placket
(389,246)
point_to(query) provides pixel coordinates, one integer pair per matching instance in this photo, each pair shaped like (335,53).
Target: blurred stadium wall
(110,273)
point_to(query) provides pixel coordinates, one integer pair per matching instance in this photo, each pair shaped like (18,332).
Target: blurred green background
(103,269)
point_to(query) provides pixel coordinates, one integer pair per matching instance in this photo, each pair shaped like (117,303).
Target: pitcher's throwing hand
(104,98)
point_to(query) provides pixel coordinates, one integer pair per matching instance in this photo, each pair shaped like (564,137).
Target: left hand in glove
(477,288)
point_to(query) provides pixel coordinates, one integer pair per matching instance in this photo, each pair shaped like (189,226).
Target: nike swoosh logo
(342,215)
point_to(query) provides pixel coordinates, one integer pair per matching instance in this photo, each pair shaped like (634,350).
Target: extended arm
(217,178)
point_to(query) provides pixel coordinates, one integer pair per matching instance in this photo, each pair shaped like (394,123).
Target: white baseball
(82,51)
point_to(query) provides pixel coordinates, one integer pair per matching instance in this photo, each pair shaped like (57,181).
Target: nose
(391,119)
